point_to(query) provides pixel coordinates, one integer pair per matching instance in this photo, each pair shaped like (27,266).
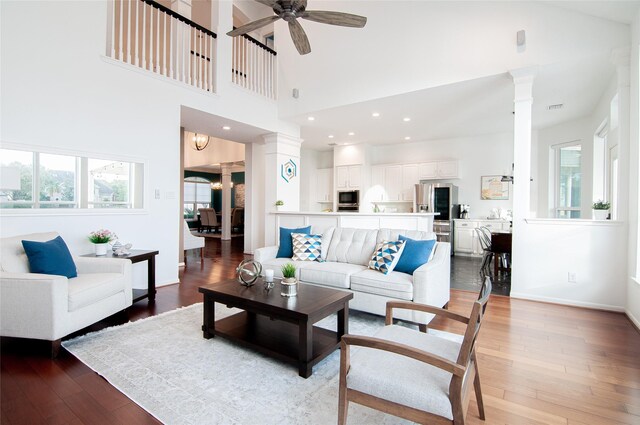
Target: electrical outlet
(572,278)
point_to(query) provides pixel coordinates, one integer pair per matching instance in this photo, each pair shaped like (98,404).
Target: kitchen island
(321,221)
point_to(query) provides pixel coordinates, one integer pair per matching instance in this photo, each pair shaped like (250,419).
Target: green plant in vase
(601,210)
(289,281)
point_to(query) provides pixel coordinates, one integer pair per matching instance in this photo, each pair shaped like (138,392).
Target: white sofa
(49,307)
(346,254)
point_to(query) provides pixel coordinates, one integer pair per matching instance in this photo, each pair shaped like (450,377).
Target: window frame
(556,180)
(195,203)
(80,189)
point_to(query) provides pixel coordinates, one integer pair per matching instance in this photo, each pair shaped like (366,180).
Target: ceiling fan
(290,11)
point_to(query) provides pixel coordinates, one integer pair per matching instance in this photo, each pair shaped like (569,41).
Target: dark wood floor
(539,363)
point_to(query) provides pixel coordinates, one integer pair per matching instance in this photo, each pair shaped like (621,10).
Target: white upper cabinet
(410,177)
(438,170)
(348,177)
(428,170)
(447,169)
(393,182)
(342,177)
(324,185)
(355,176)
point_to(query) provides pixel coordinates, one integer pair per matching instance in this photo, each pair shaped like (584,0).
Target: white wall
(432,44)
(308,166)
(477,156)
(59,91)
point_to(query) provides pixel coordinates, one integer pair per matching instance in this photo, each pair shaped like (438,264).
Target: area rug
(165,365)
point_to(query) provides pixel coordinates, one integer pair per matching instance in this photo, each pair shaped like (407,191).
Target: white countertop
(482,219)
(372,214)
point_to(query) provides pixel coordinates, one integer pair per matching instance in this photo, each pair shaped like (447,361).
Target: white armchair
(49,307)
(189,241)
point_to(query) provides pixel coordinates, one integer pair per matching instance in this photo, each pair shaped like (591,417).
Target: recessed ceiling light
(331,136)
(351,133)
(311,118)
(407,138)
(226,127)
(375,114)
(406,119)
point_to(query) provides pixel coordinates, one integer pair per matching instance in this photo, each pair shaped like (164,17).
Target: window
(68,181)
(197,194)
(57,181)
(16,187)
(109,183)
(568,181)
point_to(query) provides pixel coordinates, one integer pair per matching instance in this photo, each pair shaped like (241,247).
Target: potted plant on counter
(289,281)
(601,210)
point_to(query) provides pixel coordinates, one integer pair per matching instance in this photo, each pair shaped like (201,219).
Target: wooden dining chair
(421,377)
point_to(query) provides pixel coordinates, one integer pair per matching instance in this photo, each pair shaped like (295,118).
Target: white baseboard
(563,301)
(633,319)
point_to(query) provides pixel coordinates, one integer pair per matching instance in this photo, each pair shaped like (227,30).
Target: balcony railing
(254,66)
(152,37)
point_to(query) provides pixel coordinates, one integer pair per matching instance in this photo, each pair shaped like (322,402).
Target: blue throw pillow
(415,254)
(286,245)
(51,257)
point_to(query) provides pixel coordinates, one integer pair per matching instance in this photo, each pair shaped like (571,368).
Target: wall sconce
(200,141)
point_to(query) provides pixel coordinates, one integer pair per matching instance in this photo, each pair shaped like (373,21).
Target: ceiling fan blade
(299,37)
(253,25)
(335,18)
(269,3)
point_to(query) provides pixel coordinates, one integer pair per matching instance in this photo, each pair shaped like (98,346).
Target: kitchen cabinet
(348,177)
(324,185)
(409,180)
(466,240)
(438,170)
(393,182)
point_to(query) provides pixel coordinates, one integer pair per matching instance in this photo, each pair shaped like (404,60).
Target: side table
(136,256)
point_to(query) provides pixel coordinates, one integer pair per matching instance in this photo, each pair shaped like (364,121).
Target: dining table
(500,245)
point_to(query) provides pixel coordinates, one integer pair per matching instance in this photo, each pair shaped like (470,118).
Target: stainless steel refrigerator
(439,198)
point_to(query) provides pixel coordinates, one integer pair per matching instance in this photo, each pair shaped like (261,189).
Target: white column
(222,22)
(226,202)
(521,187)
(621,59)
(281,178)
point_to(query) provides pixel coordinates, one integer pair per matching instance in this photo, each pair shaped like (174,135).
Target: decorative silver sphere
(248,272)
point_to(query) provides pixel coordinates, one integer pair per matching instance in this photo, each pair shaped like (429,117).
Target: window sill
(48,212)
(573,222)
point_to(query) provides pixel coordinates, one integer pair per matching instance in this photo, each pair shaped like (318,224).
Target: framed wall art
(493,188)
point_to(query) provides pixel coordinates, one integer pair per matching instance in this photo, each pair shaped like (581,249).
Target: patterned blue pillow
(386,256)
(306,247)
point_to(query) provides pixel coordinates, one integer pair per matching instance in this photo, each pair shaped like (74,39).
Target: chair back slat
(204,216)
(475,321)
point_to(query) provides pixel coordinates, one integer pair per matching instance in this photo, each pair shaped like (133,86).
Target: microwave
(349,197)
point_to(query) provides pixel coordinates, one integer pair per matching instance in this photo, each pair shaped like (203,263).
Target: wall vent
(333,144)
(556,106)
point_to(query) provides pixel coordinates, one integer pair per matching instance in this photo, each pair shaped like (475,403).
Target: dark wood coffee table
(277,326)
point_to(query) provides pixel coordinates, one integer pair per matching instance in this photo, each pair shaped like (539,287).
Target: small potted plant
(278,204)
(100,239)
(289,281)
(601,210)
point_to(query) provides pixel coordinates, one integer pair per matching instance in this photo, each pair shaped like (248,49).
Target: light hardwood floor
(539,363)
